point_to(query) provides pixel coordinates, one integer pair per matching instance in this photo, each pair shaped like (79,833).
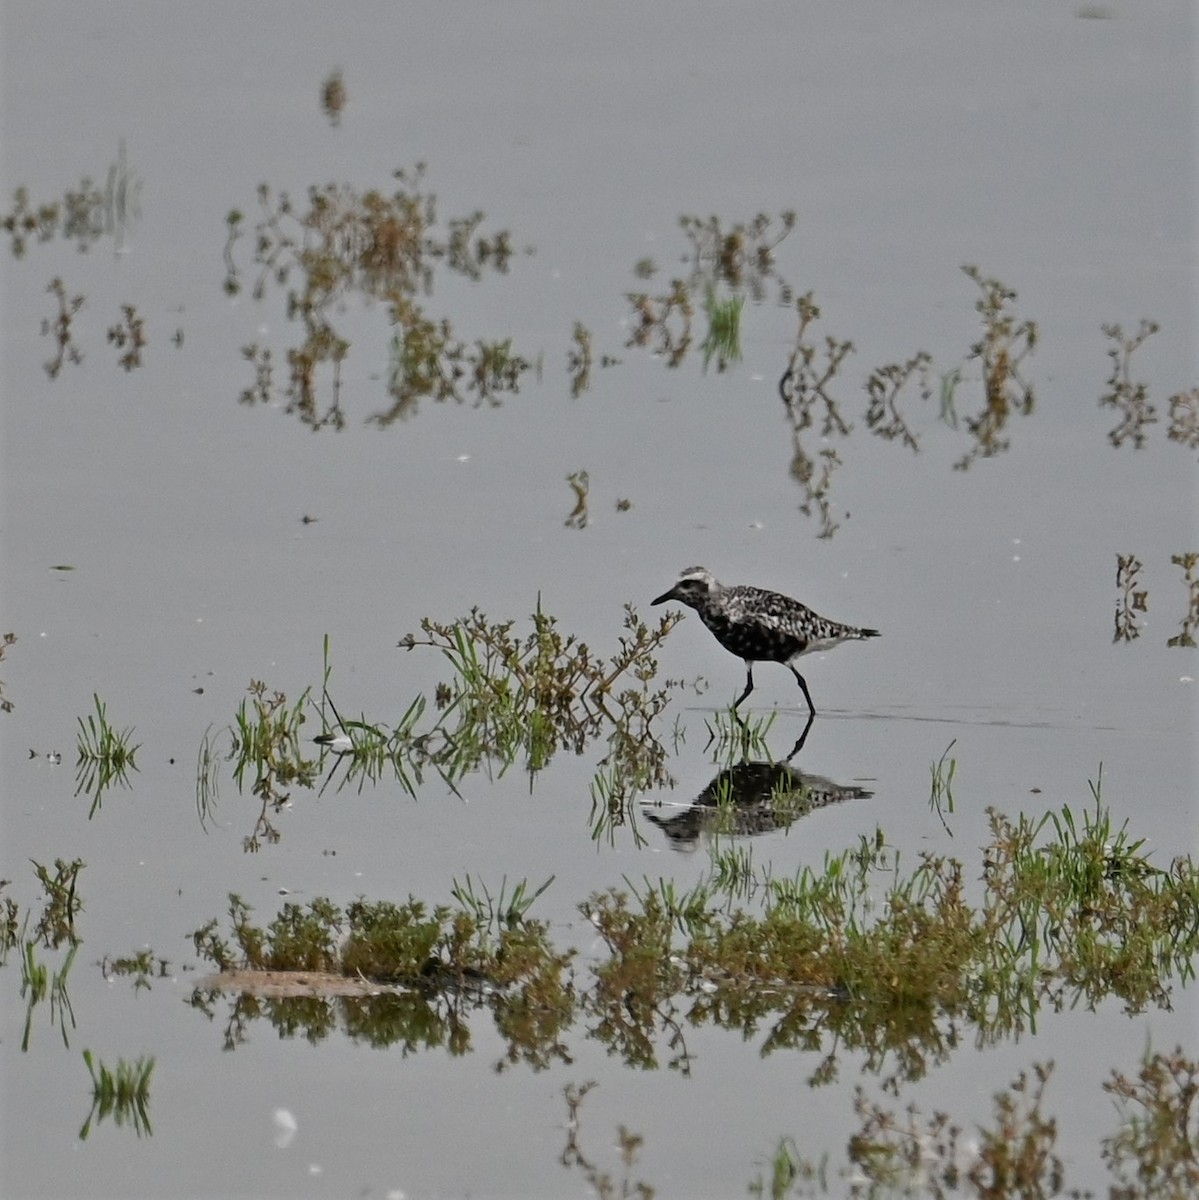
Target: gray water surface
(1051,144)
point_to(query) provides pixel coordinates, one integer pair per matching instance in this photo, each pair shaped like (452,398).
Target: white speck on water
(315,1169)
(285,1128)
(464,458)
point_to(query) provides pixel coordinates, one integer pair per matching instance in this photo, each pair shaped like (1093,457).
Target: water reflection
(751,798)
(1129,399)
(1132,599)
(85,214)
(1184,418)
(379,248)
(1069,911)
(333,98)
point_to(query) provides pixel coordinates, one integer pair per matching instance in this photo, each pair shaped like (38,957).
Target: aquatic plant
(104,755)
(1190,622)
(883,388)
(123,1094)
(382,247)
(1130,399)
(84,215)
(1005,344)
(266,741)
(1184,418)
(6,640)
(130,336)
(723,339)
(61,328)
(333,97)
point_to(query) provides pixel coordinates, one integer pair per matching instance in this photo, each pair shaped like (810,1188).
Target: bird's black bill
(663,598)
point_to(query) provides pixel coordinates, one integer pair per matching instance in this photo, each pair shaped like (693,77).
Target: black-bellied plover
(760,626)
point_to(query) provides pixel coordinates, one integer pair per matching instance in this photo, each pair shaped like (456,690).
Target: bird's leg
(803,737)
(804,688)
(749,684)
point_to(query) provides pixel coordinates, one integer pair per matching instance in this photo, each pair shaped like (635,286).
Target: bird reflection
(752,798)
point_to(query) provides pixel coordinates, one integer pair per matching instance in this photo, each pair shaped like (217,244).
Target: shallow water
(1052,150)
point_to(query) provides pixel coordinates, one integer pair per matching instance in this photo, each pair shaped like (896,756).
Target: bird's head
(695,588)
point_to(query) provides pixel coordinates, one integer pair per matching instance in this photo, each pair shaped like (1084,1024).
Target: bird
(760,626)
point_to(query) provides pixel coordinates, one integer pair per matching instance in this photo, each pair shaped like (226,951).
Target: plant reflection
(1130,399)
(1133,599)
(1190,622)
(380,248)
(84,215)
(54,927)
(856,956)
(511,698)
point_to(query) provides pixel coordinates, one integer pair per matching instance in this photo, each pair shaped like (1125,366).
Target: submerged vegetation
(122,1094)
(84,215)
(908,1153)
(1130,399)
(52,930)
(6,640)
(104,755)
(859,956)
(381,248)
(1132,599)
(862,959)
(511,697)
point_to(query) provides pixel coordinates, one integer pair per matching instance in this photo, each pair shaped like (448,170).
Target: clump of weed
(578,360)
(84,215)
(738,258)
(130,336)
(1184,418)
(54,926)
(1130,399)
(141,967)
(422,969)
(266,742)
(333,97)
(723,339)
(1132,598)
(804,386)
(741,256)
(1154,1153)
(6,640)
(663,322)
(883,388)
(62,904)
(910,1153)
(381,247)
(123,1094)
(599,1180)
(104,755)
(61,328)
(580,483)
(940,797)
(1001,351)
(857,955)
(547,690)
(1190,623)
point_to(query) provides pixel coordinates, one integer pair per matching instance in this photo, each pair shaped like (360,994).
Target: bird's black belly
(753,641)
